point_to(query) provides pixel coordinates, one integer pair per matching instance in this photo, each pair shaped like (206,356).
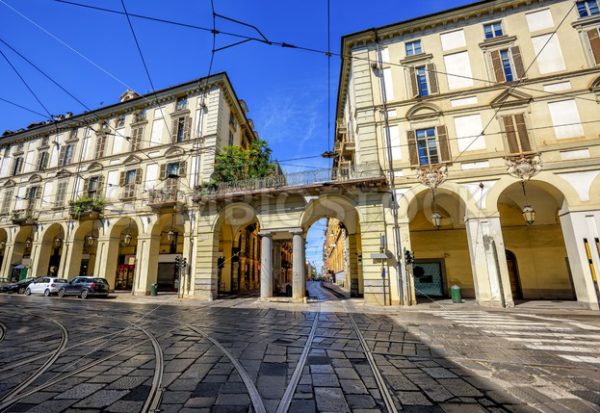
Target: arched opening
(239,251)
(333,245)
(438,240)
(84,249)
(538,247)
(50,251)
(168,243)
(513,275)
(21,262)
(120,273)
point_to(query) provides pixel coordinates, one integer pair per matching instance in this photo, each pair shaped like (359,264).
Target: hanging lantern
(2,245)
(171,235)
(28,242)
(529,214)
(127,239)
(57,242)
(436,218)
(90,240)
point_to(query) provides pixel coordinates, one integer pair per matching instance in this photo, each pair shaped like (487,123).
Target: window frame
(588,10)
(18,166)
(43,160)
(61,193)
(425,79)
(428,139)
(493,25)
(411,50)
(181,103)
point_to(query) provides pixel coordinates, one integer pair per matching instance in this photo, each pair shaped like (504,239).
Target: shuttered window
(7,200)
(423,80)
(61,193)
(18,165)
(181,129)
(594,39)
(428,146)
(136,138)
(517,136)
(129,180)
(66,154)
(94,186)
(100,146)
(508,64)
(33,195)
(43,158)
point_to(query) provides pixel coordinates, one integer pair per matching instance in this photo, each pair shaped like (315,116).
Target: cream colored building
(109,192)
(421,92)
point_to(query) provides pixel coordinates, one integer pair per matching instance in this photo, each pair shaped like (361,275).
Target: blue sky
(286,90)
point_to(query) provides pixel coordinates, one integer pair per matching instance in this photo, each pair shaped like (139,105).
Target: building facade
(485,121)
(109,192)
(336,256)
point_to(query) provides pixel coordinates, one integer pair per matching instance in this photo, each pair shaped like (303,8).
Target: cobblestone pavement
(329,356)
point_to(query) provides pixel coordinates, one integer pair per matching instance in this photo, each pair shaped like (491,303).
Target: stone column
(146,263)
(7,261)
(266,265)
(488,261)
(299,267)
(107,254)
(188,248)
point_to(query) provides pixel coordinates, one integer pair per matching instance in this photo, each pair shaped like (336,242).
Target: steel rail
(286,400)
(3,330)
(154,398)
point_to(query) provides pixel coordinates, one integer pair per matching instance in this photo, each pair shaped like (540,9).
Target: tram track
(3,330)
(381,384)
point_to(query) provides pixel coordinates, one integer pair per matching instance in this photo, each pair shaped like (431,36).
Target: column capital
(265,233)
(297,231)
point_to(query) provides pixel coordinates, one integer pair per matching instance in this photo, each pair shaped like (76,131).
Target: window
(173,169)
(230,142)
(72,134)
(105,125)
(140,115)
(61,193)
(20,147)
(182,103)
(45,141)
(129,180)
(18,165)
(43,158)
(508,64)
(232,121)
(66,155)
(100,146)
(7,200)
(120,122)
(492,30)
(422,81)
(428,146)
(33,194)
(588,8)
(181,129)
(594,39)
(94,186)
(517,136)
(413,48)
(136,137)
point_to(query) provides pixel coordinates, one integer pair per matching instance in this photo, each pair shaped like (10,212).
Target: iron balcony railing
(165,197)
(294,179)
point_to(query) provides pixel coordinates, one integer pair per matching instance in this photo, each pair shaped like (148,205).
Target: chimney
(128,95)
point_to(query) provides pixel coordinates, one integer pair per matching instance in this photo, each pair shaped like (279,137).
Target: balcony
(160,199)
(290,182)
(86,208)
(25,216)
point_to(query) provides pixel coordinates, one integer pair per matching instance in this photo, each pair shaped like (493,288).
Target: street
(330,356)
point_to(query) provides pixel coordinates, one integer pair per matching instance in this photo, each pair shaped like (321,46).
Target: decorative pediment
(174,151)
(95,166)
(132,160)
(63,173)
(423,111)
(9,183)
(511,98)
(35,178)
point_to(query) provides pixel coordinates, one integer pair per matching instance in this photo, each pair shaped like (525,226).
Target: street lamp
(90,239)
(28,242)
(171,235)
(436,218)
(57,242)
(127,237)
(2,245)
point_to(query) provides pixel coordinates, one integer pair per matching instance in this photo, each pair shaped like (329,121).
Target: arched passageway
(121,262)
(167,242)
(3,242)
(50,252)
(439,242)
(537,260)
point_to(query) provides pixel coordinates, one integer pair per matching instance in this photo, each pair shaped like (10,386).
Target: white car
(45,285)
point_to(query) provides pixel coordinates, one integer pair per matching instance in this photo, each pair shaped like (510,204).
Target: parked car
(45,285)
(85,287)
(17,287)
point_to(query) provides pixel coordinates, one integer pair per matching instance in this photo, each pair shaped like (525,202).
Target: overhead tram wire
(10,102)
(315,50)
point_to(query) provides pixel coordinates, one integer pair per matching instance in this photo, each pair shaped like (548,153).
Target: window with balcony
(43,159)
(182,103)
(413,48)
(588,8)
(517,136)
(33,194)
(18,165)
(507,64)
(492,30)
(93,187)
(428,146)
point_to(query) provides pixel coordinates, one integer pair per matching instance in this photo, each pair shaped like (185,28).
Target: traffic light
(409,257)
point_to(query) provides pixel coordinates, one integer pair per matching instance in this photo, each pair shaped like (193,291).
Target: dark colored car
(17,287)
(85,287)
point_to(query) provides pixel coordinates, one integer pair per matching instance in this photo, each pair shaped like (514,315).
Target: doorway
(513,276)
